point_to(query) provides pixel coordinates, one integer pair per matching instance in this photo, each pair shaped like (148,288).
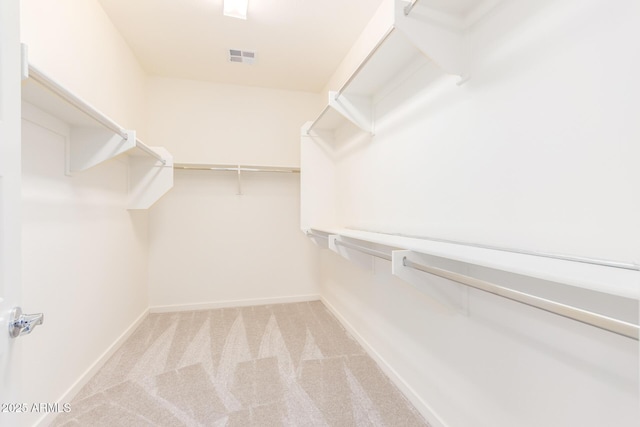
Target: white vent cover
(243,56)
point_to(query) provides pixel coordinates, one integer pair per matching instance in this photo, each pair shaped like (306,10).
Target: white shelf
(94,138)
(390,62)
(434,33)
(416,50)
(601,278)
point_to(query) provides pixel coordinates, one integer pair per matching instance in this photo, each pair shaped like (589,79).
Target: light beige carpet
(274,365)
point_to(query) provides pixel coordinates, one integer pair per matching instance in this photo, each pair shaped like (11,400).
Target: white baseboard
(93,369)
(423,407)
(232,303)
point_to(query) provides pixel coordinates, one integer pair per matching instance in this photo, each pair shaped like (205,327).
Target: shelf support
(24,66)
(88,147)
(149,179)
(409,7)
(444,45)
(357,109)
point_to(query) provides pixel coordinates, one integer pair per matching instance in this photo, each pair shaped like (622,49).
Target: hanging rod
(78,103)
(312,234)
(322,113)
(610,324)
(234,168)
(144,147)
(409,7)
(363,249)
(617,326)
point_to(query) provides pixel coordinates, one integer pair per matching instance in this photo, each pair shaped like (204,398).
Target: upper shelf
(51,97)
(432,33)
(95,138)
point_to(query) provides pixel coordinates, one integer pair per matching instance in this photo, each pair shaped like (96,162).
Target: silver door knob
(22,324)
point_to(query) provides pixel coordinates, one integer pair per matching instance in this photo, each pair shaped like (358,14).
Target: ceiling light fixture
(236,8)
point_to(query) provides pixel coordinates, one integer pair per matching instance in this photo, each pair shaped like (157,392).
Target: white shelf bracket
(463,80)
(443,44)
(363,260)
(357,109)
(89,146)
(149,179)
(319,240)
(24,63)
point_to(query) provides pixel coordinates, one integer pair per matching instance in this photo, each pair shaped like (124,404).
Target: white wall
(538,151)
(489,363)
(200,122)
(210,246)
(10,208)
(75,43)
(84,260)
(84,255)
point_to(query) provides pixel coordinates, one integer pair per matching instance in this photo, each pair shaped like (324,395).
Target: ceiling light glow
(236,8)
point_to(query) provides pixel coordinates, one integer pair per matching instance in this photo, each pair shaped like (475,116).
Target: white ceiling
(299,43)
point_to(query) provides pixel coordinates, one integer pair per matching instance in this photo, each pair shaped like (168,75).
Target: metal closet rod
(234,168)
(606,323)
(409,7)
(322,113)
(141,145)
(312,234)
(363,249)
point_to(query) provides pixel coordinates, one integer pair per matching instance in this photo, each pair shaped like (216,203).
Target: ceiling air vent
(244,56)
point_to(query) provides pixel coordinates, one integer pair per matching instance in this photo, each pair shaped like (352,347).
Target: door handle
(22,324)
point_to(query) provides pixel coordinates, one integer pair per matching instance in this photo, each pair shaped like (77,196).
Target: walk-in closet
(320,213)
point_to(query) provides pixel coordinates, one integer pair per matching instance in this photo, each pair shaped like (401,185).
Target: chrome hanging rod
(363,249)
(312,234)
(77,102)
(409,7)
(617,326)
(313,124)
(610,324)
(144,147)
(234,168)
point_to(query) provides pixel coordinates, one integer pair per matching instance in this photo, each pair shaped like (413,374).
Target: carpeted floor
(275,365)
